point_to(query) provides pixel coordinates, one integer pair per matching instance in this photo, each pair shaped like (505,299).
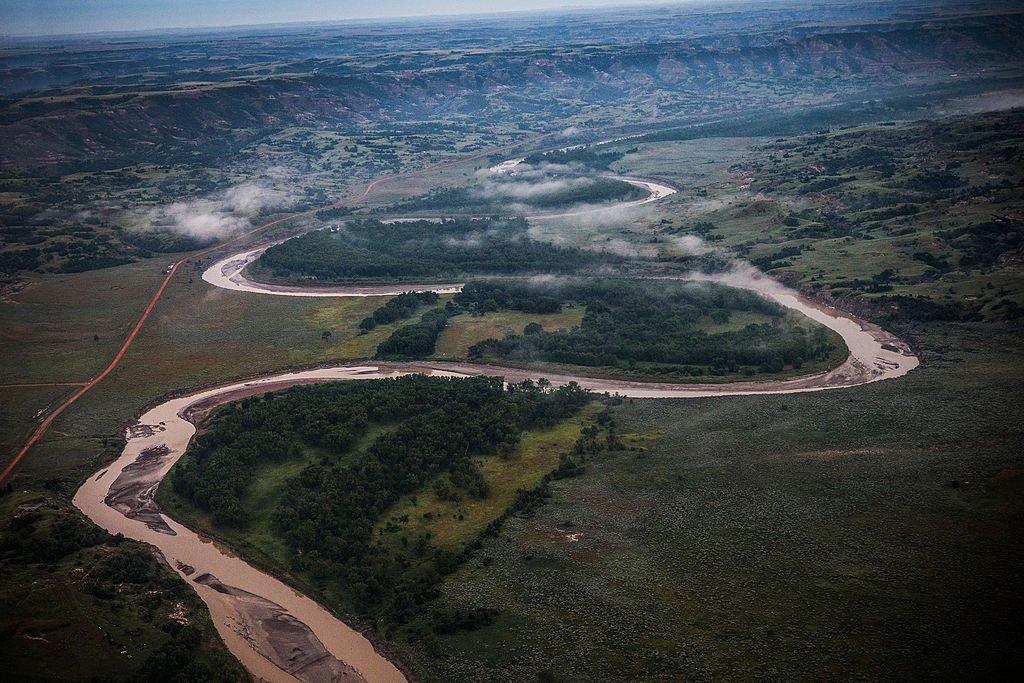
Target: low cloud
(524,171)
(592,217)
(221,215)
(546,280)
(525,182)
(250,198)
(743,275)
(198,219)
(633,250)
(528,189)
(691,245)
(998,100)
(470,241)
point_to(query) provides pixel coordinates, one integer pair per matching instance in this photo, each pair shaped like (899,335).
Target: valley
(606,344)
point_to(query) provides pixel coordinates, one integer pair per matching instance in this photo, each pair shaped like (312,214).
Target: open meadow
(870,531)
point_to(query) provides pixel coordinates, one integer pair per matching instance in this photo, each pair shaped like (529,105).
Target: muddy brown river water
(280,634)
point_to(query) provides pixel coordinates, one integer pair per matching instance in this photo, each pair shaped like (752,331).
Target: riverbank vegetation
(657,330)
(776,536)
(653,328)
(587,157)
(424,250)
(337,457)
(397,308)
(417,340)
(524,190)
(124,598)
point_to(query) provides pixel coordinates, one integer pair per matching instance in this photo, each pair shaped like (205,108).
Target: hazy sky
(41,17)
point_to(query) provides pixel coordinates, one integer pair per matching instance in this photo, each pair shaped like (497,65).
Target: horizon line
(383,19)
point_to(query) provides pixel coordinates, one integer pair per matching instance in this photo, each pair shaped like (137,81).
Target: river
(280,634)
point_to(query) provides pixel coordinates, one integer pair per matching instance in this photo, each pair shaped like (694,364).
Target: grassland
(465,330)
(182,345)
(845,214)
(79,319)
(21,406)
(451,525)
(866,532)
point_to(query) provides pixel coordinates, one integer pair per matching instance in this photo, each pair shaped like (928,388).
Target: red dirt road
(43,426)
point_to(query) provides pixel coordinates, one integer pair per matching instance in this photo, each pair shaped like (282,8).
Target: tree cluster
(417,340)
(328,510)
(452,248)
(489,296)
(398,308)
(502,194)
(584,156)
(640,325)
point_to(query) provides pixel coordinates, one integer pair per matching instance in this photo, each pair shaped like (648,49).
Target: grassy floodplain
(182,345)
(464,331)
(451,524)
(867,531)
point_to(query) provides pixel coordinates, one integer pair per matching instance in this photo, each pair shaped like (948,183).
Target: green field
(863,532)
(452,524)
(23,407)
(464,330)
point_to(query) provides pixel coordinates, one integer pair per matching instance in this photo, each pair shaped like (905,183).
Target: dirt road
(43,426)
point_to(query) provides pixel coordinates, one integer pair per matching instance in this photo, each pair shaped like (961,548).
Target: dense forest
(655,328)
(647,327)
(398,308)
(421,249)
(328,510)
(417,340)
(538,192)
